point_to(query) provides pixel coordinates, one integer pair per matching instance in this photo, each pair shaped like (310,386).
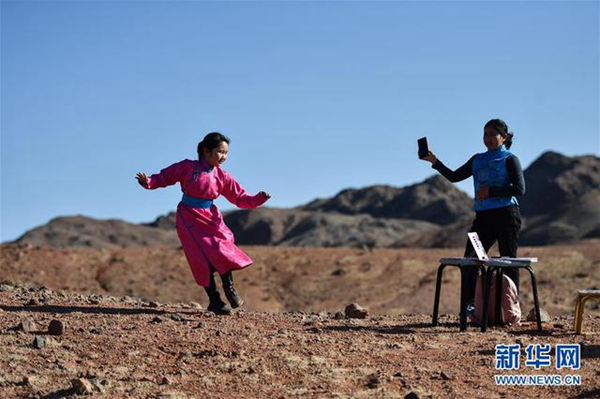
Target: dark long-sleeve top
(513,167)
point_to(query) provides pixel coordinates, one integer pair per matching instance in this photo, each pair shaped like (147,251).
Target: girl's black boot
(230,293)
(215,304)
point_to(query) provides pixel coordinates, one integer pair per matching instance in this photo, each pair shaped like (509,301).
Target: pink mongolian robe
(205,238)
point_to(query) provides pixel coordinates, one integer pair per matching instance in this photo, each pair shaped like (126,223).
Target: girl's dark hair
(502,128)
(210,142)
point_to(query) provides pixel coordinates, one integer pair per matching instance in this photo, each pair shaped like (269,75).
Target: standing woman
(207,242)
(498,180)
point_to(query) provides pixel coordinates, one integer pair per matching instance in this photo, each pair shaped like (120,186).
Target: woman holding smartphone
(498,180)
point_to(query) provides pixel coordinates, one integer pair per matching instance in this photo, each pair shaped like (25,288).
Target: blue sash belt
(196,202)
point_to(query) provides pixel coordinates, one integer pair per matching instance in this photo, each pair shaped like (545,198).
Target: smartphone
(423,148)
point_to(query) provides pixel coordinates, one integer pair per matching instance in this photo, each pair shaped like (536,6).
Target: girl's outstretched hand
(265,194)
(430,157)
(142,179)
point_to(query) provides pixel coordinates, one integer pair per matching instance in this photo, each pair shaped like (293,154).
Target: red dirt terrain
(386,281)
(129,325)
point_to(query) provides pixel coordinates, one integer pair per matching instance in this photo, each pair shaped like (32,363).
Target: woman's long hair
(502,128)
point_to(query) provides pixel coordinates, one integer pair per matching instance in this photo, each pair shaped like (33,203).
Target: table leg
(486,299)
(463,300)
(535,298)
(438,289)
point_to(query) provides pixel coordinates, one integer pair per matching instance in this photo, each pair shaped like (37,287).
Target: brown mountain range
(562,204)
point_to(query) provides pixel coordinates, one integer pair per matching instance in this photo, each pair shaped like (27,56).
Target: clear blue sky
(316,96)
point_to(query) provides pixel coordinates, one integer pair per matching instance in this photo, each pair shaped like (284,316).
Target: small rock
(339,315)
(154,304)
(446,376)
(373,382)
(355,311)
(176,317)
(6,288)
(90,374)
(398,374)
(82,386)
(39,342)
(412,395)
(28,325)
(56,327)
(100,386)
(338,272)
(33,302)
(559,325)
(202,354)
(543,314)
(166,381)
(195,305)
(201,325)
(94,301)
(157,319)
(28,380)
(96,331)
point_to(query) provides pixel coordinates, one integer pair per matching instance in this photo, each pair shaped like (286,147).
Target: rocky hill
(377,219)
(291,227)
(562,204)
(82,231)
(435,200)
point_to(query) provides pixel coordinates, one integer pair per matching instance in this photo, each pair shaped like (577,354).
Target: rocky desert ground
(57,344)
(129,322)
(386,281)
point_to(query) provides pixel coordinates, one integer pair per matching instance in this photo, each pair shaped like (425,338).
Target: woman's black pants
(501,225)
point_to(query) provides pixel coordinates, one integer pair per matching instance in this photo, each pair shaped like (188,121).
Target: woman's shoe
(235,300)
